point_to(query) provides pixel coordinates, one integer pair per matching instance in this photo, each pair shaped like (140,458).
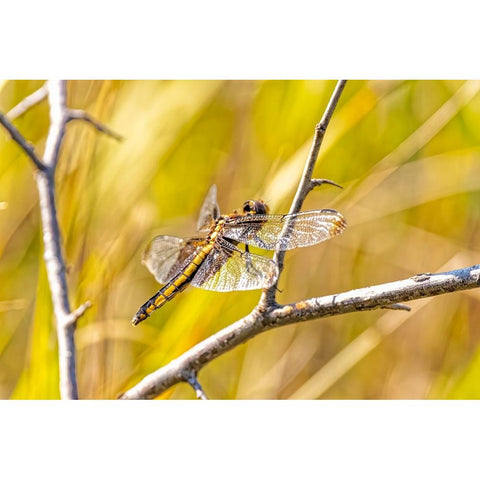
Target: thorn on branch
(398,306)
(28,102)
(318,182)
(191,378)
(78,313)
(74,114)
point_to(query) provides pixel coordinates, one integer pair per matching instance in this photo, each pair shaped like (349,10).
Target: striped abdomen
(174,286)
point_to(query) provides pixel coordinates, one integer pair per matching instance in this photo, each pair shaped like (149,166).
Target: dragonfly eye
(249,207)
(255,207)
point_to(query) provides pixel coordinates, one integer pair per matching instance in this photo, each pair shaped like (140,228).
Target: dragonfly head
(255,207)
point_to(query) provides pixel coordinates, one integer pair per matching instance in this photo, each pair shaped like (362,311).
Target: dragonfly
(215,260)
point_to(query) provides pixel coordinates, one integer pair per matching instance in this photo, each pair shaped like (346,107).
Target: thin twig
(305,186)
(82,115)
(26,146)
(320,129)
(28,102)
(54,262)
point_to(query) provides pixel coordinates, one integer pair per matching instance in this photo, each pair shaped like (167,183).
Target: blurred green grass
(407,153)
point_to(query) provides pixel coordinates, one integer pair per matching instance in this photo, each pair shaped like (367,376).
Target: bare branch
(320,130)
(82,115)
(57,97)
(26,146)
(306,184)
(259,321)
(54,261)
(28,102)
(57,280)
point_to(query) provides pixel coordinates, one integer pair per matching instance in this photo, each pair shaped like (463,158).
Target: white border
(240,439)
(250,39)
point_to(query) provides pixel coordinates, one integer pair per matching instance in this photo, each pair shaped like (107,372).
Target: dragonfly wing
(165,256)
(285,232)
(210,210)
(226,268)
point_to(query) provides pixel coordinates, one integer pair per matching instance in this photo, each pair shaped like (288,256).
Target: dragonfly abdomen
(174,286)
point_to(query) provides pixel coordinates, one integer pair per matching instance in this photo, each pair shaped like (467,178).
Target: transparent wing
(227,268)
(286,231)
(165,256)
(210,210)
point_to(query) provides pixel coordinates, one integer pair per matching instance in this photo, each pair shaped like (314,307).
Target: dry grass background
(407,153)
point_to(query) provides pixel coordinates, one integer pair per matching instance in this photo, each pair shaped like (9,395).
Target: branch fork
(45,167)
(73,317)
